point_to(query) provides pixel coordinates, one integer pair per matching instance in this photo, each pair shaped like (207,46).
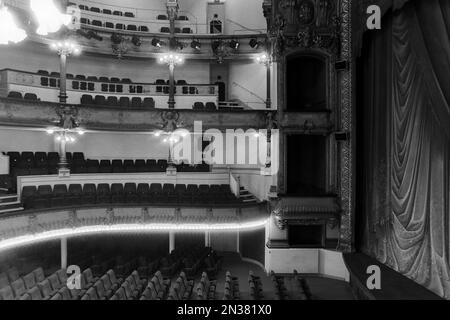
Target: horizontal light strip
(138,228)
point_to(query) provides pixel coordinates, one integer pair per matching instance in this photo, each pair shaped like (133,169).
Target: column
(207,239)
(62,151)
(171,241)
(269,85)
(64,253)
(63,78)
(171,86)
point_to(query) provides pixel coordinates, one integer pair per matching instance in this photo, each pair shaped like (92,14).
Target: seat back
(18,287)
(30,280)
(39,274)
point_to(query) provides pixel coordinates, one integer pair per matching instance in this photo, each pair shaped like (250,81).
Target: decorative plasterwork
(39,114)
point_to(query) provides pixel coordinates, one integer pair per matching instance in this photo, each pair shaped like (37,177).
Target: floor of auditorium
(321,288)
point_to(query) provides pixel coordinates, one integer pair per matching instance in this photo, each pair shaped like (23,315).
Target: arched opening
(306,83)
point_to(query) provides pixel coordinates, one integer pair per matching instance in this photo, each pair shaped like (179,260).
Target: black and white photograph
(224,158)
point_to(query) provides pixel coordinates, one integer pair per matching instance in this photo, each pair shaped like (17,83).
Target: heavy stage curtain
(405,143)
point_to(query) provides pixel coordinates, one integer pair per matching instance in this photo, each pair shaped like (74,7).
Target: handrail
(235,184)
(248,90)
(244,27)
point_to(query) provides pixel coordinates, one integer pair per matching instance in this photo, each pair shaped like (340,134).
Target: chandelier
(9,31)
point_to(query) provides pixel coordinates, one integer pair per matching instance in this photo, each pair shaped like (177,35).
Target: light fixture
(196,45)
(6,244)
(157,43)
(9,31)
(263,58)
(49,18)
(171,59)
(254,44)
(66,47)
(234,44)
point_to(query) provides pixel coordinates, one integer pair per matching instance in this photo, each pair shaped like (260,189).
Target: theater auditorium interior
(224,150)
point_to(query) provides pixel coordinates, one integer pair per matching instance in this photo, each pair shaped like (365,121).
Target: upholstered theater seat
(29,194)
(87,99)
(117,193)
(59,196)
(199,106)
(129,166)
(75,194)
(148,103)
(92,166)
(117,166)
(89,195)
(124,102)
(44,194)
(103,193)
(105,166)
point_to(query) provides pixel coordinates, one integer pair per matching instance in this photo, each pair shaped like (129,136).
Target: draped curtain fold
(406,142)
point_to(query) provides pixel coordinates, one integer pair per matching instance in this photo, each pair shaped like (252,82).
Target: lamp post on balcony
(171,60)
(265,60)
(64,50)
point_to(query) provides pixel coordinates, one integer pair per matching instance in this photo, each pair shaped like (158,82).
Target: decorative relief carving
(67,117)
(303,24)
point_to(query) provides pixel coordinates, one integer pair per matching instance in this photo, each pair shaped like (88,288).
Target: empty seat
(210,106)
(7,293)
(85,21)
(92,166)
(109,25)
(165,30)
(117,166)
(100,100)
(39,274)
(117,194)
(44,195)
(130,193)
(143,192)
(14,95)
(117,13)
(59,195)
(162,17)
(106,11)
(103,193)
(199,106)
(120,26)
(54,282)
(95,9)
(97,23)
(87,99)
(143,29)
(46,290)
(140,166)
(89,195)
(115,80)
(136,102)
(129,14)
(74,195)
(132,27)
(19,288)
(177,30)
(126,80)
(35,293)
(92,78)
(103,79)
(124,102)
(105,166)
(148,103)
(29,194)
(183,18)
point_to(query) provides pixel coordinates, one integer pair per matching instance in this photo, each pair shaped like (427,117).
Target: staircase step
(8,198)
(19,208)
(10,205)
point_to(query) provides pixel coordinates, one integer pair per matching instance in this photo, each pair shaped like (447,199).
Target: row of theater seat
(256,287)
(26,96)
(130,27)
(41,163)
(126,13)
(112,101)
(231,288)
(104,79)
(60,195)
